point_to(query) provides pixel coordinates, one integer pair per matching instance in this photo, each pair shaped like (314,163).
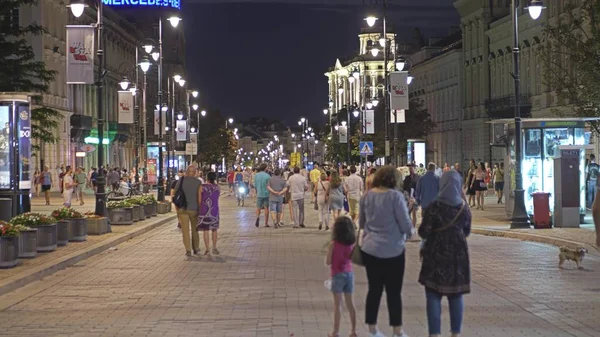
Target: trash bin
(541,210)
(5,209)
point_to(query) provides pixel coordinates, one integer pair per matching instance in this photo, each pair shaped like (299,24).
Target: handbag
(356,255)
(179,197)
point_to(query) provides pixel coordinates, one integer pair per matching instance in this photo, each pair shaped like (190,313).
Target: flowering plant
(92,215)
(32,220)
(66,213)
(149,198)
(138,201)
(119,204)
(7,229)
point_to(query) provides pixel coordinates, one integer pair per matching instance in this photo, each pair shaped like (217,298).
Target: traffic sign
(295,159)
(366,148)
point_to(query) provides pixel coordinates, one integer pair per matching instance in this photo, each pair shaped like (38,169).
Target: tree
(21,72)
(215,142)
(570,57)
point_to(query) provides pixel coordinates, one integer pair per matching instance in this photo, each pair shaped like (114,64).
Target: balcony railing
(503,107)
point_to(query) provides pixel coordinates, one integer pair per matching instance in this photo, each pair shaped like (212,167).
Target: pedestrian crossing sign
(366,148)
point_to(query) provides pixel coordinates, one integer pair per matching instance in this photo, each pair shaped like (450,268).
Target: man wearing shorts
(262,194)
(277,188)
(354,187)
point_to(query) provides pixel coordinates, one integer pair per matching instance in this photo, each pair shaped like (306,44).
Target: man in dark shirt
(410,186)
(592,173)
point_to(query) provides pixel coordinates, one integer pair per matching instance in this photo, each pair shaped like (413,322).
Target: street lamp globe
(133,90)
(344,123)
(166,128)
(535,9)
(303,119)
(180,116)
(356,113)
(371,20)
(336,127)
(181,82)
(299,122)
(316,141)
(174,20)
(374,51)
(309,128)
(155,55)
(77,7)
(145,64)
(195,93)
(340,90)
(356,73)
(400,62)
(192,129)
(299,145)
(124,83)
(369,105)
(177,78)
(203,113)
(230,120)
(375,102)
(235,130)
(382,41)
(195,107)
(325,111)
(148,48)
(293,135)
(312,134)
(330,103)
(351,79)
(409,79)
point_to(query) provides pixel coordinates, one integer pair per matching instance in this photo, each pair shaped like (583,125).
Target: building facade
(438,83)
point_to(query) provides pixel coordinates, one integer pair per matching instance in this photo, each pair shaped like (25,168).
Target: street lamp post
(520,219)
(77,8)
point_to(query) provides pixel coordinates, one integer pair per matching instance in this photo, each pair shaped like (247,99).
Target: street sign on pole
(366,148)
(191,149)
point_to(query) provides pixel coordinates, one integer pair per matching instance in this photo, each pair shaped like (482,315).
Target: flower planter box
(78,230)
(97,226)
(28,243)
(120,216)
(163,207)
(148,210)
(154,209)
(46,238)
(9,251)
(138,213)
(62,232)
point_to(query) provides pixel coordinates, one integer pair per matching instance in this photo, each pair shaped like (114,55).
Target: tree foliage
(570,57)
(215,142)
(21,72)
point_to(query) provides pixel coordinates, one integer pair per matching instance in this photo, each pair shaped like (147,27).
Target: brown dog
(569,254)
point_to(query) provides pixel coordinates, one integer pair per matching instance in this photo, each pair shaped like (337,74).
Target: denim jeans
(591,193)
(434,312)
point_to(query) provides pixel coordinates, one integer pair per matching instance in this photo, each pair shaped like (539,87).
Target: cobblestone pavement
(269,282)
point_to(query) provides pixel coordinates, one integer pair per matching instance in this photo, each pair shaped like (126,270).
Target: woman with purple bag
(208,216)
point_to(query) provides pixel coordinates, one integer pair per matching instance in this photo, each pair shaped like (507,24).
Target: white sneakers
(379,334)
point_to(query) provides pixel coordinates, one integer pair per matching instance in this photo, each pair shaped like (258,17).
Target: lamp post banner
(181,132)
(369,121)
(400,115)
(125,108)
(156,120)
(399,90)
(343,131)
(80,55)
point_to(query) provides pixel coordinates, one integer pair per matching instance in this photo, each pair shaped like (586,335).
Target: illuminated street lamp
(195,93)
(124,84)
(371,20)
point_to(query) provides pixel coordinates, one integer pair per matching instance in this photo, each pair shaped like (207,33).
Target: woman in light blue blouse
(386,223)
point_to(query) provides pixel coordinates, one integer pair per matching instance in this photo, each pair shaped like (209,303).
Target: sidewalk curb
(536,238)
(49,268)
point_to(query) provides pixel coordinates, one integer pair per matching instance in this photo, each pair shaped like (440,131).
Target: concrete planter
(78,230)
(97,226)
(163,207)
(169,207)
(28,243)
(154,209)
(120,216)
(138,213)
(62,232)
(147,210)
(46,238)
(9,251)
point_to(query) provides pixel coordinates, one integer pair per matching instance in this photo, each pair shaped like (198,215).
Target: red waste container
(541,210)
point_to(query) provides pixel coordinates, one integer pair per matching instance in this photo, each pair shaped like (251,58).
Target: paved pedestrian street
(269,282)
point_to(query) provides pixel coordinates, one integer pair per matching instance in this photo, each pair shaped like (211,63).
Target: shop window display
(4,147)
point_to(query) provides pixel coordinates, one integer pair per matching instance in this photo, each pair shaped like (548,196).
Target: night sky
(267,58)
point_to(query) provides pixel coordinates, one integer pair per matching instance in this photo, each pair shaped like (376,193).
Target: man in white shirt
(298,185)
(68,186)
(354,187)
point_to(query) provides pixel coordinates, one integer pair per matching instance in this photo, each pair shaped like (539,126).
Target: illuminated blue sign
(146,3)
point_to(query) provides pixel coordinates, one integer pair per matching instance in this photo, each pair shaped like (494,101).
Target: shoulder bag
(441,229)
(179,197)
(356,255)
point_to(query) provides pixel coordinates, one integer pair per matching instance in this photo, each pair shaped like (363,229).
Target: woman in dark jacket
(446,270)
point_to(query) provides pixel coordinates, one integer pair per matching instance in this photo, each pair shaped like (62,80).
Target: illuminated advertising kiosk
(15,154)
(542,141)
(415,151)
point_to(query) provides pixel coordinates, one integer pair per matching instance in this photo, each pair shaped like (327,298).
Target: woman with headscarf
(445,269)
